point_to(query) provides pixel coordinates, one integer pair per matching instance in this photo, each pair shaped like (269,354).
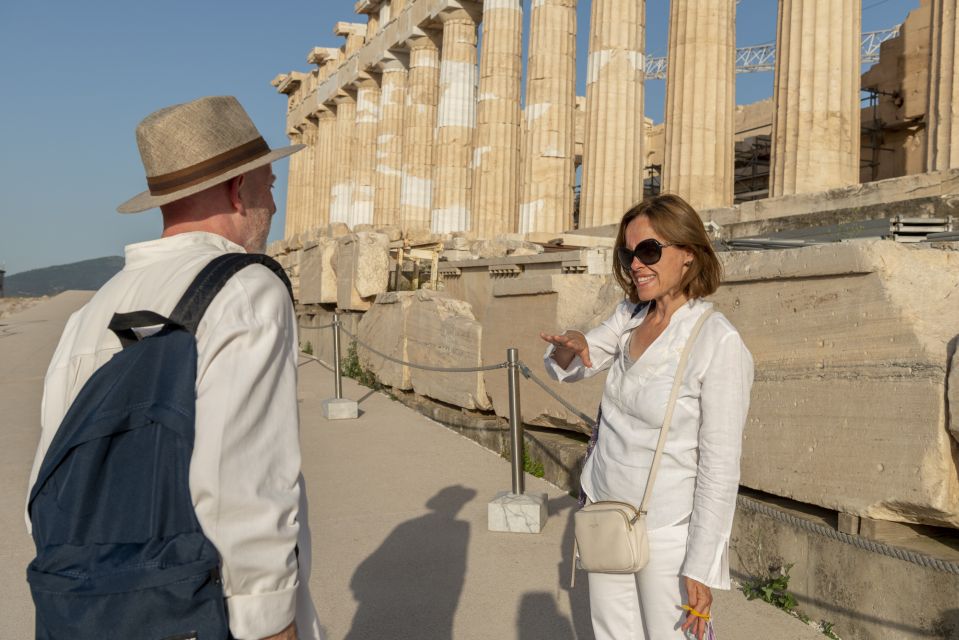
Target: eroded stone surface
(317,273)
(384,327)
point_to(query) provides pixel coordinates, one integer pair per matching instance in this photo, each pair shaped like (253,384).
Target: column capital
(461,11)
(393,61)
(322,55)
(422,38)
(346,29)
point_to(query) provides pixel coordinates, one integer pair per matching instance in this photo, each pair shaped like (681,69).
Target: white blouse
(699,474)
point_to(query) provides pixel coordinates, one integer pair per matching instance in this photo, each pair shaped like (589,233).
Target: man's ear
(234,188)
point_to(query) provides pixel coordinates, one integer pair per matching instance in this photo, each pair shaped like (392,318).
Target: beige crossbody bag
(610,536)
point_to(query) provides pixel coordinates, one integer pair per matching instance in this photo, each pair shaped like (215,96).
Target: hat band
(217,165)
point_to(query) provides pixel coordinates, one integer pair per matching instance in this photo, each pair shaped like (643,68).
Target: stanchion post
(337,374)
(337,407)
(516,511)
(515,420)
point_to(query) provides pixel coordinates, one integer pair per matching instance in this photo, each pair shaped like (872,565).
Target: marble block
(515,513)
(340,409)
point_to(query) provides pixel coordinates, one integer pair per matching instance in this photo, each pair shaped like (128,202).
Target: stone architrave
(550,136)
(496,150)
(389,143)
(355,35)
(364,158)
(455,123)
(816,136)
(341,193)
(419,124)
(701,102)
(613,152)
(942,116)
(323,165)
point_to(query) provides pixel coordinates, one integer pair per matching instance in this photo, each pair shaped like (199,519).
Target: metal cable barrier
(857,541)
(516,367)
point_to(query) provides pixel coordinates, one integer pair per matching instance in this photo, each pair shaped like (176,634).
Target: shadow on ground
(410,586)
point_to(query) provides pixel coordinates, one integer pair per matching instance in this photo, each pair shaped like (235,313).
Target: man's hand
(700,598)
(287,634)
(568,346)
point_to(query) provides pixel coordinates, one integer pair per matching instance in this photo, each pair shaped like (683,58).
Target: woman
(666,265)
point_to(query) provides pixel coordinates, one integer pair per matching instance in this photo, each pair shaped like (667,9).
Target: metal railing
(514,369)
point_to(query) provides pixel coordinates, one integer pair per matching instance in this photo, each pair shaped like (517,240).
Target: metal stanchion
(337,374)
(516,511)
(515,420)
(337,407)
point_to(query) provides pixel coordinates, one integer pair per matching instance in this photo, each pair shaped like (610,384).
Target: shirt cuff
(707,561)
(261,615)
(574,372)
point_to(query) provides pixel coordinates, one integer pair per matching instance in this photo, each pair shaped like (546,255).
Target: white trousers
(645,605)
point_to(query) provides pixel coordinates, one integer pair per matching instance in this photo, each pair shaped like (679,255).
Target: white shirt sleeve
(725,402)
(246,459)
(603,341)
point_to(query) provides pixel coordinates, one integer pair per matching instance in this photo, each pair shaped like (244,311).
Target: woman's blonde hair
(675,221)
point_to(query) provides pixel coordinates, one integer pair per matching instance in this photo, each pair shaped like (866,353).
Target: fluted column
(364,158)
(396,6)
(389,144)
(293,190)
(323,165)
(455,122)
(496,148)
(416,194)
(701,102)
(613,153)
(549,145)
(341,193)
(942,116)
(816,134)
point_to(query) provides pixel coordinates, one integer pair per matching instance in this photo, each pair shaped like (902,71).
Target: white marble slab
(517,513)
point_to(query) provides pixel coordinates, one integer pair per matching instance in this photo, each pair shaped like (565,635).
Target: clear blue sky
(78,76)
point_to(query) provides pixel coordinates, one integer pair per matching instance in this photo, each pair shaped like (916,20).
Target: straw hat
(190,147)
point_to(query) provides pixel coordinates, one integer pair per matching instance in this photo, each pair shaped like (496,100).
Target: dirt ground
(11,306)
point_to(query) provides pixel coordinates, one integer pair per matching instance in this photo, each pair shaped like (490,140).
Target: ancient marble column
(396,6)
(416,194)
(546,203)
(942,116)
(701,102)
(613,153)
(816,134)
(389,143)
(496,146)
(293,189)
(309,204)
(323,164)
(341,191)
(455,123)
(364,155)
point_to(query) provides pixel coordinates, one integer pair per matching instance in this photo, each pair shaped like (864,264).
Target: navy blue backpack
(120,554)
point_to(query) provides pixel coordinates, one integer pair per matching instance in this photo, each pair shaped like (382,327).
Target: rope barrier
(492,367)
(529,375)
(859,542)
(325,326)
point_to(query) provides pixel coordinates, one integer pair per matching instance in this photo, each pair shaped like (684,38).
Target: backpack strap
(191,307)
(189,311)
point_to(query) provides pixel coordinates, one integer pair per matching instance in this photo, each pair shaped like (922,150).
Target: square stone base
(340,409)
(515,513)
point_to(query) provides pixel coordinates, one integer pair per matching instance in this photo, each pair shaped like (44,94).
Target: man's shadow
(410,586)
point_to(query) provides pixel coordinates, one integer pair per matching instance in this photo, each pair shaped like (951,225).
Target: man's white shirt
(245,477)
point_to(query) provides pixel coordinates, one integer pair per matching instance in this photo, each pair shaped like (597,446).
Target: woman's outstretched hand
(700,600)
(568,346)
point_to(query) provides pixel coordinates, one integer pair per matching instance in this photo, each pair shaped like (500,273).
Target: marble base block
(340,409)
(515,513)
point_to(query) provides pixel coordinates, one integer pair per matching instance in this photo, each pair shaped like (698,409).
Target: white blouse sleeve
(724,403)
(603,341)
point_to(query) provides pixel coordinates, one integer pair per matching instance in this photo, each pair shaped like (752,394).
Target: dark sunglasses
(648,252)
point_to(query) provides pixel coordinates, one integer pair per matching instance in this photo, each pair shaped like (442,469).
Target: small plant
(773,589)
(531,465)
(351,367)
(308,348)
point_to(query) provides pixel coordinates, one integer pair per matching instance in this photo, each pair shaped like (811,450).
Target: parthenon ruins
(445,212)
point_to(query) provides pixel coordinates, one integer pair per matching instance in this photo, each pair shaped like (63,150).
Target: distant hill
(87,275)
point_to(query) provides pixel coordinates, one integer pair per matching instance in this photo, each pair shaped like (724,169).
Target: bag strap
(667,421)
(198,296)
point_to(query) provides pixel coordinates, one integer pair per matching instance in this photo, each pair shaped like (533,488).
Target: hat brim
(145,201)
